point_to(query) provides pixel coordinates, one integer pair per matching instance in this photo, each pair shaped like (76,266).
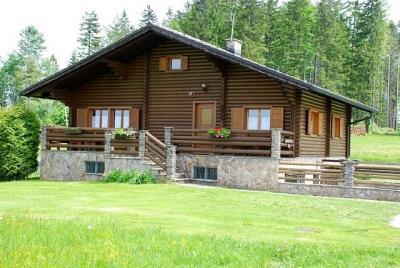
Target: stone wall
(70,165)
(339,191)
(255,173)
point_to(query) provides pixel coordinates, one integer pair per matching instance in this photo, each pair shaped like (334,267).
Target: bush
(130,176)
(19,143)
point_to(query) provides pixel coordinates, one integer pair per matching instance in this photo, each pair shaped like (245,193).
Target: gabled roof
(199,44)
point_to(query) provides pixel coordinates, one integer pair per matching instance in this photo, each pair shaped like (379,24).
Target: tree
(169,16)
(74,58)
(89,36)
(31,43)
(119,29)
(332,46)
(148,16)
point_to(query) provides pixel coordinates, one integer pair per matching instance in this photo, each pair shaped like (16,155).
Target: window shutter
(82,117)
(237,118)
(308,122)
(163,64)
(184,62)
(277,114)
(333,126)
(134,118)
(321,124)
(342,128)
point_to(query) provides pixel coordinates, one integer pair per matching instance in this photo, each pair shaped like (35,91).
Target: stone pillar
(171,162)
(142,143)
(276,143)
(43,138)
(107,144)
(348,172)
(168,135)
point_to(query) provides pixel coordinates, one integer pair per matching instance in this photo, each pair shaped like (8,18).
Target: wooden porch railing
(155,150)
(82,139)
(125,146)
(241,142)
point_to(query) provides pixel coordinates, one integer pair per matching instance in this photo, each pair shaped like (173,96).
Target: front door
(204,118)
(204,115)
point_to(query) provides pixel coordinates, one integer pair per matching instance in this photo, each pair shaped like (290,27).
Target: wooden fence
(82,139)
(241,142)
(381,176)
(311,173)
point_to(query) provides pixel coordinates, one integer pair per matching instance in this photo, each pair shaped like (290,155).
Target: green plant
(19,143)
(220,133)
(122,133)
(130,176)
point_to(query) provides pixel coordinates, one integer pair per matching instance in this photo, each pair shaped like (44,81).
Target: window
(94,167)
(100,118)
(314,123)
(121,118)
(258,119)
(205,173)
(175,64)
(337,126)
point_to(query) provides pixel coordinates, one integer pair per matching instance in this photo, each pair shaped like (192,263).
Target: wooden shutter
(134,118)
(342,128)
(308,122)
(321,123)
(237,118)
(277,114)
(333,126)
(163,64)
(184,62)
(82,117)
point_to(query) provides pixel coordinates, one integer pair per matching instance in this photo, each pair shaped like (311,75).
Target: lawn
(376,148)
(80,224)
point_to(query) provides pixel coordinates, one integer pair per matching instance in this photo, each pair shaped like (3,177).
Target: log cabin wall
(171,93)
(338,146)
(311,145)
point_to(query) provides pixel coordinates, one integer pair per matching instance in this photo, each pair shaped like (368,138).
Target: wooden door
(204,117)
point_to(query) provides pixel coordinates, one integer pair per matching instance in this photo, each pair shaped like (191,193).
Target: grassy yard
(46,224)
(376,148)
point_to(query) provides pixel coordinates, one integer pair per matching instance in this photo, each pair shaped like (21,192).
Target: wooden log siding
(338,146)
(168,101)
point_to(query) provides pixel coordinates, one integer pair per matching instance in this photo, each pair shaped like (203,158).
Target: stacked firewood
(358,130)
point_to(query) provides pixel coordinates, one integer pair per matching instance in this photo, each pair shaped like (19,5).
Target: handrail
(155,150)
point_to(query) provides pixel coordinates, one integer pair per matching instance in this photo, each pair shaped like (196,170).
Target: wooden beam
(348,131)
(145,89)
(297,124)
(223,97)
(120,69)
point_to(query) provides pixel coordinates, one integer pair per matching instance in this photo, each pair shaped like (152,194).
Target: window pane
(90,167)
(126,119)
(212,173)
(96,118)
(117,119)
(199,173)
(104,118)
(252,119)
(176,64)
(99,167)
(265,120)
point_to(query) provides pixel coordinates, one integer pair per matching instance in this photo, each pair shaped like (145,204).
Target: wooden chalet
(157,77)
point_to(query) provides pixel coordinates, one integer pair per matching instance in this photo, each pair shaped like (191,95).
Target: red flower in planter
(219,133)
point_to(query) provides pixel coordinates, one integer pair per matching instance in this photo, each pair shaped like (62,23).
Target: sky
(59,20)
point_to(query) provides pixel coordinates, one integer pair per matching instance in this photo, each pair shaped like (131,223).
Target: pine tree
(89,36)
(332,46)
(31,43)
(74,58)
(169,16)
(148,16)
(49,66)
(119,29)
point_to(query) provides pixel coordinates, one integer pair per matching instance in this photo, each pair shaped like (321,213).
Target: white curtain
(252,119)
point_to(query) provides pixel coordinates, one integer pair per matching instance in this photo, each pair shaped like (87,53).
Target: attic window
(173,63)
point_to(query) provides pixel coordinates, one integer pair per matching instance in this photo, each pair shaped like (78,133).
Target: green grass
(72,224)
(376,148)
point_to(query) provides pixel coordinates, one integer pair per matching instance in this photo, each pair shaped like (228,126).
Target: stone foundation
(255,173)
(70,165)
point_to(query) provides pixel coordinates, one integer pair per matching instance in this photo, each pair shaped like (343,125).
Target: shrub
(130,176)
(19,143)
